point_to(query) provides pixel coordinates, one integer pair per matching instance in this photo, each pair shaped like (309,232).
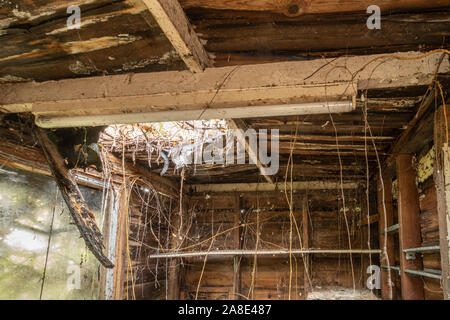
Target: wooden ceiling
(122,37)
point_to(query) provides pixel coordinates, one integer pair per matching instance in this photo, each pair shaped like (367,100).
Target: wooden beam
(441,179)
(240,128)
(253,187)
(79,210)
(408,217)
(386,219)
(274,84)
(175,25)
(299,7)
(237,246)
(418,133)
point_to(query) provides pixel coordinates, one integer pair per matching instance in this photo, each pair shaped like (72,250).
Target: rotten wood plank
(79,210)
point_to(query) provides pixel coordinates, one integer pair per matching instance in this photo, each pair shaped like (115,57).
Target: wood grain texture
(298,7)
(175,25)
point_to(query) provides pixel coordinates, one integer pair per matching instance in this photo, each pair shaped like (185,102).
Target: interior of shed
(102,192)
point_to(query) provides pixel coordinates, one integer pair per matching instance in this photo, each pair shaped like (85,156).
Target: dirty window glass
(27,204)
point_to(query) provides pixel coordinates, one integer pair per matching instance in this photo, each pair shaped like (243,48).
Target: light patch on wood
(79,67)
(395,189)
(94,44)
(10,79)
(447,189)
(425,166)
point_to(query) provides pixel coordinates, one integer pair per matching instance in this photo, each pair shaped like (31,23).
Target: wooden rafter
(240,127)
(175,25)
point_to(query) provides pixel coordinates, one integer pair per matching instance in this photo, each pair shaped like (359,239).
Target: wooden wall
(429,223)
(216,213)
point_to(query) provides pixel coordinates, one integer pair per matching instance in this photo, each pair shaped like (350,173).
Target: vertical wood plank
(386,219)
(305,242)
(237,246)
(408,216)
(121,241)
(442,180)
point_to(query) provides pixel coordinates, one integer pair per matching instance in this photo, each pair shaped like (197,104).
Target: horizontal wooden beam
(280,186)
(298,7)
(251,85)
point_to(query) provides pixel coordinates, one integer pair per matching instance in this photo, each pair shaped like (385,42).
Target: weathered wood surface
(408,218)
(441,178)
(277,83)
(298,7)
(173,22)
(115,37)
(82,216)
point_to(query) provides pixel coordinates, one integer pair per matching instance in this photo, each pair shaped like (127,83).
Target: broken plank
(80,212)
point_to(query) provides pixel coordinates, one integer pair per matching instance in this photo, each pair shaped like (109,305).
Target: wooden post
(408,216)
(386,219)
(305,242)
(441,179)
(237,246)
(121,243)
